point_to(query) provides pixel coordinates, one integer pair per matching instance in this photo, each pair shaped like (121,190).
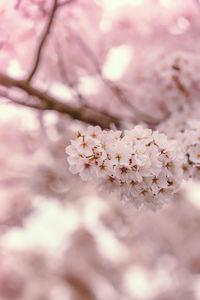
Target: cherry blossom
(142,166)
(189,141)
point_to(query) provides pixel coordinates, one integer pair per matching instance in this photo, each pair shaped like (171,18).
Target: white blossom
(143,167)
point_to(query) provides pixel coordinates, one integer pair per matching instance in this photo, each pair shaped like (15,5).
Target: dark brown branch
(43,40)
(85,114)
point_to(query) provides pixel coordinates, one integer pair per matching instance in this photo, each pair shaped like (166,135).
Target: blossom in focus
(142,166)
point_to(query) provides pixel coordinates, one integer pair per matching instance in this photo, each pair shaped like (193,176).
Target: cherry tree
(115,85)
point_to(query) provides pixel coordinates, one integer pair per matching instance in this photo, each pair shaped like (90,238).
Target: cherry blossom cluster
(143,166)
(178,78)
(168,84)
(189,141)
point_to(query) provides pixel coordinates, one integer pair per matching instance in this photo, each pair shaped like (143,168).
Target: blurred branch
(43,40)
(89,53)
(117,91)
(65,3)
(85,114)
(45,34)
(71,84)
(18,4)
(20,102)
(64,75)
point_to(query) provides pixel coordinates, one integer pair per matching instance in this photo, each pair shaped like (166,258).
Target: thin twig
(17,5)
(117,92)
(43,40)
(71,84)
(65,3)
(64,74)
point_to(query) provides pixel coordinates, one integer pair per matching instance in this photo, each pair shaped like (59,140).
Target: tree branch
(43,40)
(17,5)
(117,91)
(64,74)
(85,114)
(5,95)
(65,3)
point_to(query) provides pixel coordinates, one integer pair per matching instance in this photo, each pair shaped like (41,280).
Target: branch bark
(87,114)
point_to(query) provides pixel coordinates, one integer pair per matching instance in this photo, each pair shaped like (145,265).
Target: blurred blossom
(14,69)
(117,61)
